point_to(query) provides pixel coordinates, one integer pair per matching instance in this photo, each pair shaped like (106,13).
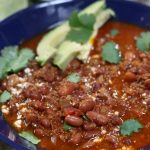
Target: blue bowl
(39,18)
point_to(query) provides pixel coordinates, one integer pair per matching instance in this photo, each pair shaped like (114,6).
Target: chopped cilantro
(85,118)
(12,60)
(30,137)
(114,32)
(87,20)
(22,60)
(74,20)
(110,53)
(82,21)
(67,127)
(5,96)
(143,42)
(80,35)
(130,126)
(74,77)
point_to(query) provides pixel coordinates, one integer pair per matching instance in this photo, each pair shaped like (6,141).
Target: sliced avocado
(65,53)
(102,17)
(47,47)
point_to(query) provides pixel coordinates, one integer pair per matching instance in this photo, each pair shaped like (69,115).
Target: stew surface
(86,114)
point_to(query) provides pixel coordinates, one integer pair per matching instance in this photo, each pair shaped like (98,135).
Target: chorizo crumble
(85,113)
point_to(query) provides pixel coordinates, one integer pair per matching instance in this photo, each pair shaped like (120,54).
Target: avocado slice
(66,53)
(47,47)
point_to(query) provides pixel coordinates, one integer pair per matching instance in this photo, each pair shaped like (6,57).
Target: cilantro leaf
(24,56)
(87,20)
(130,126)
(5,96)
(74,20)
(12,60)
(67,127)
(110,53)
(114,32)
(143,42)
(80,35)
(30,137)
(10,53)
(74,77)
(85,118)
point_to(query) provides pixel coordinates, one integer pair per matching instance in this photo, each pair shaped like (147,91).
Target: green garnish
(143,42)
(110,53)
(5,96)
(85,118)
(74,20)
(80,35)
(74,77)
(87,20)
(82,21)
(130,126)
(114,32)
(30,137)
(81,27)
(67,127)
(12,60)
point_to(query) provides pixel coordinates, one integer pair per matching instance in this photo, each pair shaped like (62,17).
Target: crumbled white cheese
(5,109)
(24,109)
(116,113)
(27,71)
(97,140)
(19,116)
(103,131)
(23,85)
(39,84)
(18,123)
(15,91)
(21,79)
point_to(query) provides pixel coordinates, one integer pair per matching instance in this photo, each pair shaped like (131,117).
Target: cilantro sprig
(67,127)
(5,96)
(81,27)
(143,41)
(74,77)
(30,137)
(13,60)
(110,53)
(114,32)
(130,126)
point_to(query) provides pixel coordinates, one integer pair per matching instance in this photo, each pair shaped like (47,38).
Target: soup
(85,106)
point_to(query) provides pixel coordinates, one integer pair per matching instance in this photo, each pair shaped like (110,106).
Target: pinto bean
(89,125)
(74,121)
(130,77)
(72,111)
(116,120)
(147,84)
(99,119)
(32,92)
(66,88)
(39,132)
(30,117)
(92,134)
(76,138)
(45,122)
(86,105)
(37,105)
